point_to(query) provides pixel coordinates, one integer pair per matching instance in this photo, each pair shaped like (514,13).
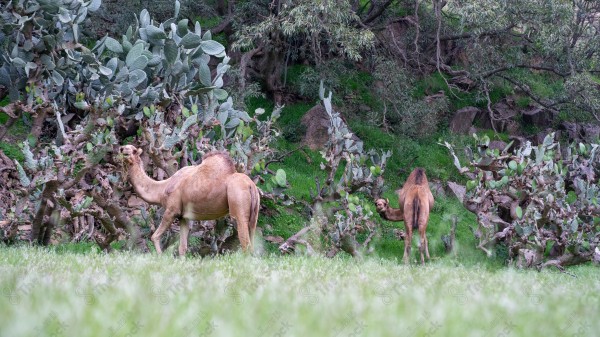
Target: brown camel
(207,191)
(416,201)
(387,212)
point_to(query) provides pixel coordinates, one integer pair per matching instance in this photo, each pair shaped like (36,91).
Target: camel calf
(416,201)
(207,191)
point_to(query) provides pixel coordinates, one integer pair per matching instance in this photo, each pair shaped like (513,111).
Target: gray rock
(463,120)
(538,116)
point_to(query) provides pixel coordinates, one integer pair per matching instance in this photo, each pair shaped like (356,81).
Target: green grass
(46,293)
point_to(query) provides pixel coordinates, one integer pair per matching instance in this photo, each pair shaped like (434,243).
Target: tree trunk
(41,231)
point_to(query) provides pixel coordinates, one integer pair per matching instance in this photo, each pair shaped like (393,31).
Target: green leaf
(139,63)
(136,78)
(191,41)
(220,94)
(155,33)
(571,197)
(212,47)
(82,105)
(204,73)
(147,112)
(89,146)
(113,45)
(519,212)
(513,165)
(134,54)
(352,207)
(171,51)
(94,5)
(182,27)
(574,225)
(582,149)
(177,8)
(280,178)
(64,16)
(57,78)
(521,168)
(105,71)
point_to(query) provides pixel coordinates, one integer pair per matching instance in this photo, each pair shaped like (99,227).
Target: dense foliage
(537,203)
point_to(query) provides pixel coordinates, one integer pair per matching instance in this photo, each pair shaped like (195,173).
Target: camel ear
(139,152)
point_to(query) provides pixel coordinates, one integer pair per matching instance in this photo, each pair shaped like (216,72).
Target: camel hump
(219,160)
(419,176)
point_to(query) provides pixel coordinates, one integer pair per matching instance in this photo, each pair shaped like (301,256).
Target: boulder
(540,136)
(591,132)
(316,120)
(497,145)
(571,130)
(463,120)
(538,116)
(577,132)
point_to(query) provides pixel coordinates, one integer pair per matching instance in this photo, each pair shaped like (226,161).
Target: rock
(513,128)
(591,133)
(437,188)
(463,120)
(316,121)
(571,129)
(458,190)
(538,116)
(539,137)
(577,132)
(497,145)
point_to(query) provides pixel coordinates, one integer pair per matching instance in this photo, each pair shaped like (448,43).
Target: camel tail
(416,209)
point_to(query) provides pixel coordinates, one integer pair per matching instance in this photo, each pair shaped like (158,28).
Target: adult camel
(416,201)
(207,191)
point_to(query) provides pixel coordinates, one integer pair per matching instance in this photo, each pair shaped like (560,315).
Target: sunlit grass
(45,293)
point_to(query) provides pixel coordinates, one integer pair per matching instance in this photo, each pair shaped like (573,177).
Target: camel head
(381,205)
(130,154)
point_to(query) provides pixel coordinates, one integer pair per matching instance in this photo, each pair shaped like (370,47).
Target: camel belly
(203,213)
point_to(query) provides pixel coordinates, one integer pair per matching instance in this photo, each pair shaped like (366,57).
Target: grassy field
(49,293)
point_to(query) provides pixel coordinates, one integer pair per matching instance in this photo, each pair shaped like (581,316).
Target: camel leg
(240,210)
(427,248)
(423,244)
(244,235)
(184,230)
(166,222)
(407,244)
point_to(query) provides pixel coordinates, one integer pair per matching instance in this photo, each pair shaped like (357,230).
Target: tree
(295,31)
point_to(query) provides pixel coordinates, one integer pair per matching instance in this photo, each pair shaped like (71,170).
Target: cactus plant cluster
(337,208)
(540,203)
(156,79)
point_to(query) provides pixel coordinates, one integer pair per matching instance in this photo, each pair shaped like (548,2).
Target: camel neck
(392,214)
(146,188)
